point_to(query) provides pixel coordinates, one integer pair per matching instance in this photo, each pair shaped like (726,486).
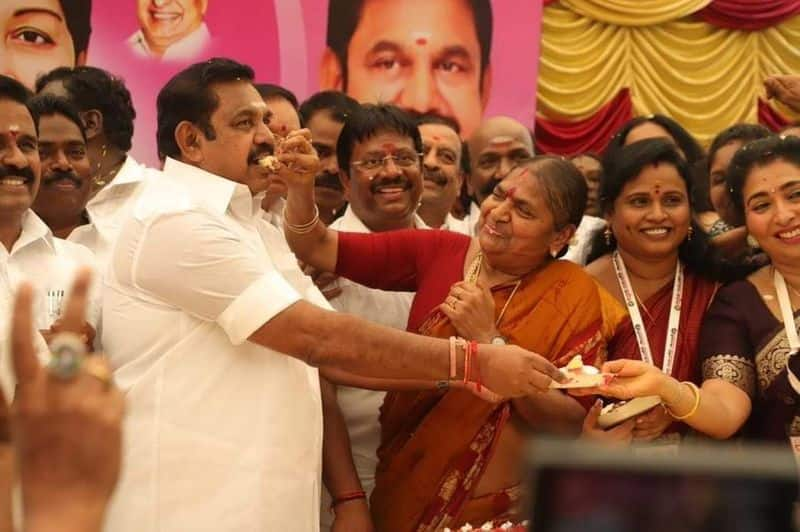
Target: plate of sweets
(615,413)
(493,526)
(581,376)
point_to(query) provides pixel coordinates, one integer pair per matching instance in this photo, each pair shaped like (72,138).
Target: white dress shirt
(50,265)
(108,209)
(221,434)
(579,250)
(451,223)
(190,47)
(361,408)
(472,218)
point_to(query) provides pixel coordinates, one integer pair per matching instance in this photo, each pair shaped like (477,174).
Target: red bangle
(346,497)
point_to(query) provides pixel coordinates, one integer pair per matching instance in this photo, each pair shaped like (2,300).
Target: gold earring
(553,253)
(751,241)
(608,234)
(690,233)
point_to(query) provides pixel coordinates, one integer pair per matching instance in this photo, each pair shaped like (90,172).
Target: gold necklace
(474,271)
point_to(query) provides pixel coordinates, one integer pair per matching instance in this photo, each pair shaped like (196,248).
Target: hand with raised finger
(86,332)
(511,371)
(66,423)
(621,434)
(470,308)
(652,424)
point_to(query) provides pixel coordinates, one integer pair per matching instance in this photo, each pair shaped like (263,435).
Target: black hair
(78,15)
(189,96)
(268,90)
(11,89)
(49,105)
(337,103)
(743,133)
(696,253)
(94,88)
(344,16)
(367,121)
(754,154)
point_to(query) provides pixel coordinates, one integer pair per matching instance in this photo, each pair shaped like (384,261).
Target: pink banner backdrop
(284,41)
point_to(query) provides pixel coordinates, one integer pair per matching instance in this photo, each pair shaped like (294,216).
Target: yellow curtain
(706,77)
(634,12)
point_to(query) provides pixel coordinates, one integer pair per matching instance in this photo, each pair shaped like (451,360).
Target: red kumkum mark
(390,147)
(421,41)
(511,192)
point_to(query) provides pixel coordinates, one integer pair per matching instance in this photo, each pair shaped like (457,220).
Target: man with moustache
(29,251)
(106,110)
(380,167)
(215,335)
(428,57)
(498,145)
(66,171)
(324,115)
(442,172)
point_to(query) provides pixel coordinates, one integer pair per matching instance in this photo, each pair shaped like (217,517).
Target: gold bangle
(302,229)
(696,391)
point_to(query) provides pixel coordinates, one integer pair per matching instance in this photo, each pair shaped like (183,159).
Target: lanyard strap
(671,345)
(788,323)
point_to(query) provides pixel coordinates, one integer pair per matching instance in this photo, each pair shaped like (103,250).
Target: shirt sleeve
(725,350)
(199,264)
(392,260)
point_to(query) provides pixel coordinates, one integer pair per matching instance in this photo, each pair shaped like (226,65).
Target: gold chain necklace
(474,271)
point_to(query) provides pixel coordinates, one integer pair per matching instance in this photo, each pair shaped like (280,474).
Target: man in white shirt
(368,129)
(498,145)
(29,250)
(171,30)
(590,166)
(443,173)
(214,344)
(104,104)
(324,115)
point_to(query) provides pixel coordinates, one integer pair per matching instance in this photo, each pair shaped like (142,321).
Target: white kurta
(49,264)
(107,210)
(579,250)
(360,408)
(221,434)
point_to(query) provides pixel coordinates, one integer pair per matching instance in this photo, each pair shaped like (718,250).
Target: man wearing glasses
(381,171)
(498,145)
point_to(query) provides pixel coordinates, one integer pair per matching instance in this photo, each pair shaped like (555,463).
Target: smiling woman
(498,287)
(40,35)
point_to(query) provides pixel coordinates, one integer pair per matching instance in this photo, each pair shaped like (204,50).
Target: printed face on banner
(165,23)
(421,55)
(35,39)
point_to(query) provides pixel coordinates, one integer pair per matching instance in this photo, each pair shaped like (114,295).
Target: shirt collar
(130,172)
(213,191)
(33,230)
(352,223)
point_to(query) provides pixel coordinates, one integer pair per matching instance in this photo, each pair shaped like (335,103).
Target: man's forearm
(320,337)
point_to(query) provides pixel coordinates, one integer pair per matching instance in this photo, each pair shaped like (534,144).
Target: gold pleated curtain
(706,77)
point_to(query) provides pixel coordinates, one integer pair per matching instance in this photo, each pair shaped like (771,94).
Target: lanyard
(671,345)
(788,323)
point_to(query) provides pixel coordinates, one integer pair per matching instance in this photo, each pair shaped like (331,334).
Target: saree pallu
(436,444)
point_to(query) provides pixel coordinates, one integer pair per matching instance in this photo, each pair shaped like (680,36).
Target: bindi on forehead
(511,191)
(389,147)
(421,38)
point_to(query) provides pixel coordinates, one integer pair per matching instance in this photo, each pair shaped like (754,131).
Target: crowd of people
(342,316)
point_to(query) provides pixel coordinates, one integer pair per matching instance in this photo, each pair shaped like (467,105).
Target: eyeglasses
(401,160)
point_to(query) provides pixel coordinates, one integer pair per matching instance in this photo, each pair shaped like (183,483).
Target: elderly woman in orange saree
(448,457)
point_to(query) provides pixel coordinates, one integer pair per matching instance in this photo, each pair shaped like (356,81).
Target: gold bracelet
(302,229)
(696,391)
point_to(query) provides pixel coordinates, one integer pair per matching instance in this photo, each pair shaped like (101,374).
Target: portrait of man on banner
(40,35)
(429,57)
(170,30)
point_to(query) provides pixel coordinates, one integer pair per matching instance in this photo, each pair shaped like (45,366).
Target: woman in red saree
(448,457)
(655,272)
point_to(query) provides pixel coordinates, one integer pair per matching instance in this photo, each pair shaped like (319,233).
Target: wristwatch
(498,340)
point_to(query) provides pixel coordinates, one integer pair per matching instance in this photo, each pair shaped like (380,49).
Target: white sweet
(270,162)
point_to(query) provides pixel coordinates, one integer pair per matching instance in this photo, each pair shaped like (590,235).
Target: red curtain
(769,117)
(748,14)
(562,137)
